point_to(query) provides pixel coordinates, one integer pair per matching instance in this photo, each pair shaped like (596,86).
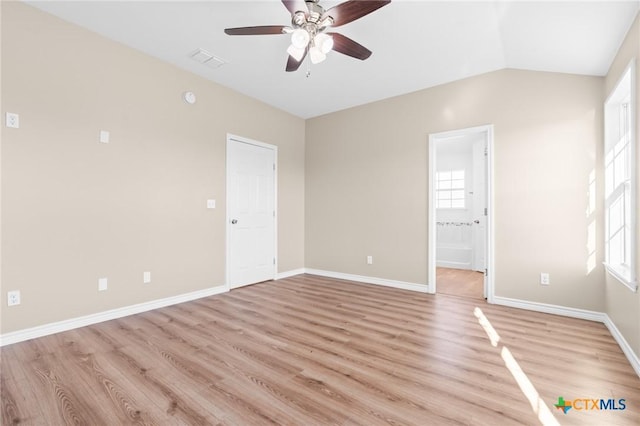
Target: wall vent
(207,59)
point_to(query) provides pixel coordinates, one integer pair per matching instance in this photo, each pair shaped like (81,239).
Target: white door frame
(431,264)
(230,139)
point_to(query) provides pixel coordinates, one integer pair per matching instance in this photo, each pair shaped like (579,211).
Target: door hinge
(485,211)
(486,272)
(274,167)
(274,260)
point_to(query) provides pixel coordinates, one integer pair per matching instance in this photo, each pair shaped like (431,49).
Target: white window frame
(450,190)
(622,98)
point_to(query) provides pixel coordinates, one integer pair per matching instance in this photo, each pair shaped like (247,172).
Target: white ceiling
(415,44)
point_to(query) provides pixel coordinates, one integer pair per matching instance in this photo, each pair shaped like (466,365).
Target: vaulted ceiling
(415,44)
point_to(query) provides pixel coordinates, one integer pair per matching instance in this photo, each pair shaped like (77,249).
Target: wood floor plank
(309,350)
(460,282)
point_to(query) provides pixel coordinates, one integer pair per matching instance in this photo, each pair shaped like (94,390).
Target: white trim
(431,243)
(622,342)
(70,324)
(550,309)
(291,273)
(631,281)
(432,218)
(615,273)
(504,301)
(274,148)
(580,314)
(73,323)
(491,253)
(422,288)
(454,265)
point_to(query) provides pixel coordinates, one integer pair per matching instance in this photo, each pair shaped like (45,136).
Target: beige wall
(74,210)
(622,305)
(366,191)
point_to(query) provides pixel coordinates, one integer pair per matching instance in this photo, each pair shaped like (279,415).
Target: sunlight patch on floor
(493,335)
(528,389)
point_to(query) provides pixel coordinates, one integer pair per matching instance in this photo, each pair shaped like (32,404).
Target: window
(450,190)
(619,182)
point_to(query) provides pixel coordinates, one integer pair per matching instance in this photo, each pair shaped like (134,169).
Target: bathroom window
(450,189)
(619,182)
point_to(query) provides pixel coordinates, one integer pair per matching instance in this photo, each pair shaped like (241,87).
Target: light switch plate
(211,204)
(146,277)
(102,284)
(104,136)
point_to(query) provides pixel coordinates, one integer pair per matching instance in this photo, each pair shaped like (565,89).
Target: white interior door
(251,237)
(479,262)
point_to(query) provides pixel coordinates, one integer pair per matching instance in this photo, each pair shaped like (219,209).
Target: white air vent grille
(206,58)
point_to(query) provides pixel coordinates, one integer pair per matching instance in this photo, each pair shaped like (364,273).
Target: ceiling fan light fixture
(316,55)
(295,53)
(300,38)
(309,25)
(324,42)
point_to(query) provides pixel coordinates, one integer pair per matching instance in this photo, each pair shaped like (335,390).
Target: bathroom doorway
(460,212)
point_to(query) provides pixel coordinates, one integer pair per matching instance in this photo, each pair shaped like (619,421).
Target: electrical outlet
(146,277)
(13,120)
(369,260)
(102,284)
(13,298)
(544,278)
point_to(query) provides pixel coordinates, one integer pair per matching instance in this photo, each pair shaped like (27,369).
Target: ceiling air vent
(207,59)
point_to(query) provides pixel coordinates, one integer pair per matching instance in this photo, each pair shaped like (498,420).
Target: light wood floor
(314,351)
(460,282)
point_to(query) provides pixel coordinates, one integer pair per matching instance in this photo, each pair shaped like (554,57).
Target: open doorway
(460,213)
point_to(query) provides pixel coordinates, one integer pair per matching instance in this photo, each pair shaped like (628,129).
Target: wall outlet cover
(13,120)
(13,298)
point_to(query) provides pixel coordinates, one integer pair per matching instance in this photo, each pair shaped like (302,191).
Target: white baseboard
(454,265)
(624,345)
(287,274)
(580,314)
(550,309)
(70,324)
(422,288)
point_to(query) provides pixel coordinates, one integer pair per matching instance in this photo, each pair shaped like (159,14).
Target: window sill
(631,285)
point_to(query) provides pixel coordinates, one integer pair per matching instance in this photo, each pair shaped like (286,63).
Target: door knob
(234,221)
(476,221)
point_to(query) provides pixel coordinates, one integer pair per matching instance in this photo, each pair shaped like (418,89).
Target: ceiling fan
(310,23)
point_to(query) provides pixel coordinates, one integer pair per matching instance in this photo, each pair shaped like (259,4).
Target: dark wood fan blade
(266,29)
(293,65)
(346,46)
(295,6)
(351,10)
